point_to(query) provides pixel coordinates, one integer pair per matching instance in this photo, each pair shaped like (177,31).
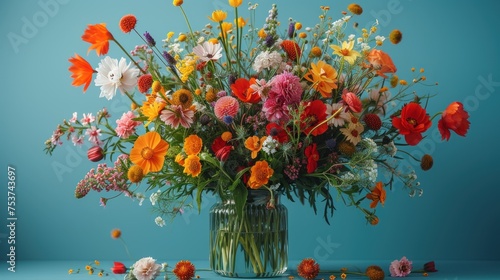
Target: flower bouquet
(307,113)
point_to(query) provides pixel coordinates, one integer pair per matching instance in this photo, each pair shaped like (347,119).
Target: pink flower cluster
(126,125)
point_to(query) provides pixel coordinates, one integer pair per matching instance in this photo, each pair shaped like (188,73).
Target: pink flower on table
(126,125)
(400,268)
(146,269)
(87,118)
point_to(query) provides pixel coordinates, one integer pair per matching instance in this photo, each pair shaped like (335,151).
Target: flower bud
(95,154)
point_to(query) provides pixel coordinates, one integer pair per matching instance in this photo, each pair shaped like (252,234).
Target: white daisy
(113,75)
(208,51)
(160,221)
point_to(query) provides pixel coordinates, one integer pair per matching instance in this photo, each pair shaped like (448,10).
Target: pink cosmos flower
(401,268)
(125,126)
(176,115)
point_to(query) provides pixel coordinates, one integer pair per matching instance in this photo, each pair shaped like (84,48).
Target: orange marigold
(308,269)
(260,174)
(192,165)
(184,270)
(127,23)
(254,144)
(193,144)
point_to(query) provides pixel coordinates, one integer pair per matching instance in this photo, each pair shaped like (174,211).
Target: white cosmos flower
(208,51)
(113,75)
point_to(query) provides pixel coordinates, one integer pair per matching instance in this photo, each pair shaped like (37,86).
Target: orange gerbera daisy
(377,194)
(260,174)
(81,71)
(98,36)
(193,144)
(254,144)
(149,152)
(324,78)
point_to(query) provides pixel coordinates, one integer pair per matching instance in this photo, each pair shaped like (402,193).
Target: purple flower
(169,58)
(400,268)
(151,42)
(291,29)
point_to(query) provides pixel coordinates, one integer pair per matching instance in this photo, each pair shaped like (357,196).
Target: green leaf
(240,199)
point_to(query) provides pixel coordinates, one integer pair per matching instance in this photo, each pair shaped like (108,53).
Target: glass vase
(253,245)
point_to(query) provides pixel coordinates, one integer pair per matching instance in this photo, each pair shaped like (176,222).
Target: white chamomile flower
(160,221)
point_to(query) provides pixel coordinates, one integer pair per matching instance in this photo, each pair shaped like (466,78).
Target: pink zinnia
(126,125)
(400,268)
(226,106)
(176,115)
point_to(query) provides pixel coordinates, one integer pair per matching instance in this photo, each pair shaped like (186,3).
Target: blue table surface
(448,270)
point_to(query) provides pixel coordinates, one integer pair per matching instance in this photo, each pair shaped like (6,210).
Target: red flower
(144,83)
(352,101)
(241,89)
(308,269)
(277,132)
(454,118)
(412,123)
(291,49)
(81,72)
(118,268)
(314,117)
(430,267)
(312,155)
(221,149)
(98,36)
(95,154)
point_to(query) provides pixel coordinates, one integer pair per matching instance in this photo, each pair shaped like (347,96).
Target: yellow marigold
(180,159)
(394,81)
(193,144)
(395,36)
(218,16)
(192,165)
(235,3)
(355,9)
(260,174)
(135,174)
(262,33)
(316,51)
(177,3)
(254,144)
(182,37)
(226,136)
(182,97)
(298,26)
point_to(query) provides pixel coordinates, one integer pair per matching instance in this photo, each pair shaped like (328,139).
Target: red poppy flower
(81,72)
(352,101)
(312,155)
(277,132)
(98,36)
(454,118)
(413,121)
(314,117)
(118,268)
(241,89)
(221,149)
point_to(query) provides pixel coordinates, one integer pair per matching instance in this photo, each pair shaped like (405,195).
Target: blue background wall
(456,218)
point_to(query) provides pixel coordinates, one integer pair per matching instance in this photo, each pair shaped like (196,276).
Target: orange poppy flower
(254,144)
(149,152)
(98,36)
(81,71)
(241,88)
(260,174)
(377,194)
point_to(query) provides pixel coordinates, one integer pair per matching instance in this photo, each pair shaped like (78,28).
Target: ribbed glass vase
(253,245)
